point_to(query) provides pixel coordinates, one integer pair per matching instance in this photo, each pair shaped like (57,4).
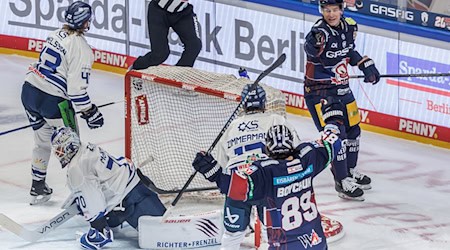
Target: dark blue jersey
(292,218)
(326,66)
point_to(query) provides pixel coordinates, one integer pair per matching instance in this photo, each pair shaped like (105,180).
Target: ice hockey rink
(408,207)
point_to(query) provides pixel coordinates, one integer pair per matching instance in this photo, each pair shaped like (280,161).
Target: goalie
(107,189)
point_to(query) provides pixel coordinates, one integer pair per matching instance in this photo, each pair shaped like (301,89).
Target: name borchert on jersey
(294,187)
(245,138)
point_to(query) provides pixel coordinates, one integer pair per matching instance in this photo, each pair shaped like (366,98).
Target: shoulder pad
(318,23)
(350,21)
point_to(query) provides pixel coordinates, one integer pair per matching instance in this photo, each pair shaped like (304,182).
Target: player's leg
(188,29)
(43,114)
(347,187)
(344,184)
(362,180)
(138,202)
(236,220)
(158,28)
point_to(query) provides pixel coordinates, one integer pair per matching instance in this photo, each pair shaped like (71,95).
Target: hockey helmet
(323,3)
(65,144)
(77,14)
(279,141)
(256,99)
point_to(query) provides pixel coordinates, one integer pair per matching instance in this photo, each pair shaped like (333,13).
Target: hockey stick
(29,125)
(409,75)
(263,74)
(44,229)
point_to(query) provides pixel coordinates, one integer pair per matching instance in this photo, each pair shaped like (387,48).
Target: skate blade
(346,197)
(365,187)
(36,200)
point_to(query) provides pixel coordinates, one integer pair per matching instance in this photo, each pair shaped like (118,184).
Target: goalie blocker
(191,231)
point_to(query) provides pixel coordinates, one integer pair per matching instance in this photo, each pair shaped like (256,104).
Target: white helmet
(65,144)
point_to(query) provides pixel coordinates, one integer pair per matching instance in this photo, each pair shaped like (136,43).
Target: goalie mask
(279,142)
(77,14)
(65,144)
(256,99)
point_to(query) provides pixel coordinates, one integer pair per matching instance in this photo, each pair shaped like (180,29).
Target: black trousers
(184,23)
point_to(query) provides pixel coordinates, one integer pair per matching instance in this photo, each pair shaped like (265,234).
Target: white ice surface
(408,207)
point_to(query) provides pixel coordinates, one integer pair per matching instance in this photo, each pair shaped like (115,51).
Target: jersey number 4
(294,210)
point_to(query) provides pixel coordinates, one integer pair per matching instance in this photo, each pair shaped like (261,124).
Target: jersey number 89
(294,210)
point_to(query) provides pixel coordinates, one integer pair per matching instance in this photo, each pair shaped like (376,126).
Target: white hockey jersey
(99,180)
(64,68)
(246,136)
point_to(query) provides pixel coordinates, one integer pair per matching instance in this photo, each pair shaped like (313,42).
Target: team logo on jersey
(340,73)
(251,125)
(232,218)
(309,240)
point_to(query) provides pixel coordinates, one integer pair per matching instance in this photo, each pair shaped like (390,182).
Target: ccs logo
(251,125)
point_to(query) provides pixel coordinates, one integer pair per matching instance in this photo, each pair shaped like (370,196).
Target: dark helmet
(256,99)
(77,14)
(279,142)
(323,3)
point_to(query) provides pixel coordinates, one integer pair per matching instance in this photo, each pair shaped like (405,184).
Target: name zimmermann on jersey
(245,138)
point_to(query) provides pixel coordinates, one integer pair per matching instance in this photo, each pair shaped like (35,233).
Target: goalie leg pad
(139,202)
(192,231)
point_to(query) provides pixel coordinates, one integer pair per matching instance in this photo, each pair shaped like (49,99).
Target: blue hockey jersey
(327,67)
(292,218)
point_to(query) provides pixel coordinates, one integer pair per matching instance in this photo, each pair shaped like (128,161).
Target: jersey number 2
(51,58)
(294,210)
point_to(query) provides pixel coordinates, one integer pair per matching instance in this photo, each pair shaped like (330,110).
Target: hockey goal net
(174,112)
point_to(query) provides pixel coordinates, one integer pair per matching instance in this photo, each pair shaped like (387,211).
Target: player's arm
(329,144)
(79,71)
(364,63)
(315,40)
(211,170)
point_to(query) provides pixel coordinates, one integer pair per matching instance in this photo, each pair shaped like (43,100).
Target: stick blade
(17,229)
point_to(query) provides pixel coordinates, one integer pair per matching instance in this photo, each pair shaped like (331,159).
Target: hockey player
(53,84)
(284,181)
(107,189)
(330,47)
(161,16)
(242,143)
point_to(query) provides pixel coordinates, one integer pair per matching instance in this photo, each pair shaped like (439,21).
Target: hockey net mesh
(187,108)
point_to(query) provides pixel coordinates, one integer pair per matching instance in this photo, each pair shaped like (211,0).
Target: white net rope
(183,121)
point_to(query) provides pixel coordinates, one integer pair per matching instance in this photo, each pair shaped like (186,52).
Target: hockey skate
(348,189)
(361,179)
(40,192)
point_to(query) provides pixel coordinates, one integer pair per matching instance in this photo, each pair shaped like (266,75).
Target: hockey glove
(93,117)
(332,110)
(95,239)
(371,74)
(315,42)
(207,165)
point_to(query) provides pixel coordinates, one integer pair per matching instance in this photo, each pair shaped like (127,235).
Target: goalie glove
(95,239)
(371,74)
(207,165)
(93,117)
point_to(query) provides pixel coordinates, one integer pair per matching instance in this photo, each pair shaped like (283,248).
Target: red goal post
(173,112)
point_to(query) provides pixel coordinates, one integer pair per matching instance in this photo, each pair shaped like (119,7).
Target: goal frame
(170,82)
